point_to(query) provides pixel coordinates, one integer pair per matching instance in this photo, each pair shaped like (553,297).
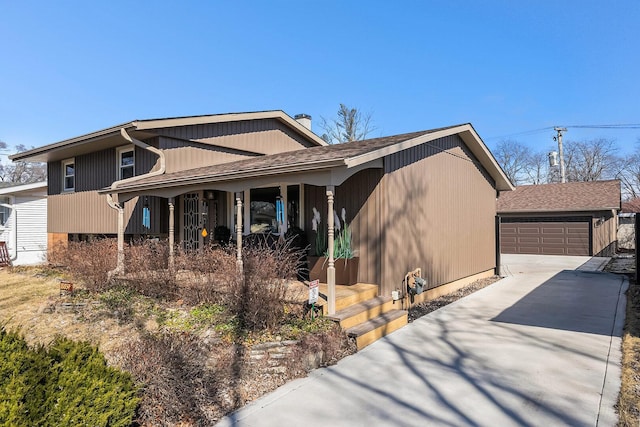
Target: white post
(331,269)
(247,212)
(171,231)
(120,262)
(239,231)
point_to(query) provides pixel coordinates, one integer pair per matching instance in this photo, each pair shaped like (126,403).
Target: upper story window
(69,175)
(126,163)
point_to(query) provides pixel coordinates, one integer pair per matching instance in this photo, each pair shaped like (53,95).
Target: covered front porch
(273,204)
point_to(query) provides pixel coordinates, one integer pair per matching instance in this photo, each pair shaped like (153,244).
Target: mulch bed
(427,307)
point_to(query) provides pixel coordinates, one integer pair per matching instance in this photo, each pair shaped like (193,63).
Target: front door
(194,213)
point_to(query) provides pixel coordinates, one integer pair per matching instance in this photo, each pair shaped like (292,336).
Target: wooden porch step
(347,295)
(363,311)
(378,327)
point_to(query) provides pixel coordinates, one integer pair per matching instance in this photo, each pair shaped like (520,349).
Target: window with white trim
(69,175)
(4,211)
(126,163)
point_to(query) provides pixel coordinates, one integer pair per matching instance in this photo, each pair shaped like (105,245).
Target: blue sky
(68,68)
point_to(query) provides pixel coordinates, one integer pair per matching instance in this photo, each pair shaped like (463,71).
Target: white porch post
(171,231)
(331,269)
(120,262)
(285,213)
(239,230)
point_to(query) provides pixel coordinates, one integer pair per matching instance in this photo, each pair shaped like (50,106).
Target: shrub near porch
(199,322)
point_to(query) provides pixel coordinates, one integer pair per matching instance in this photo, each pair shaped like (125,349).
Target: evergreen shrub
(65,384)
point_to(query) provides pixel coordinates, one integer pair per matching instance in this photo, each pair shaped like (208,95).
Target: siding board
(29,237)
(266,136)
(182,155)
(54,178)
(433,207)
(87,212)
(439,211)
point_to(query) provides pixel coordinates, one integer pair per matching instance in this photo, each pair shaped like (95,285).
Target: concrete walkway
(538,348)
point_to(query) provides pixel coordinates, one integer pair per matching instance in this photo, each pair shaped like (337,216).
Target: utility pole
(560,151)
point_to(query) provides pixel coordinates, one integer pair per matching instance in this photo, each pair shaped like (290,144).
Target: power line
(526,132)
(621,126)
(540,130)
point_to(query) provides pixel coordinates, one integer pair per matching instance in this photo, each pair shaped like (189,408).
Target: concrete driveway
(538,348)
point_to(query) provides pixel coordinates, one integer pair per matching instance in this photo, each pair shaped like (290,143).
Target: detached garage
(575,218)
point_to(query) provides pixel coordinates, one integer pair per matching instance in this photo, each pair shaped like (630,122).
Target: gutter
(116,205)
(234,175)
(14,227)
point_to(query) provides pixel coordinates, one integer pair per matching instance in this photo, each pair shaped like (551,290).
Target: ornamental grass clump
(342,242)
(320,241)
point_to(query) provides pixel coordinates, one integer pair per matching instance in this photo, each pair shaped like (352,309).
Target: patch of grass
(206,313)
(296,328)
(116,298)
(196,318)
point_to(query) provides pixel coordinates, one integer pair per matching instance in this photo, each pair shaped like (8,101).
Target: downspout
(117,206)
(14,214)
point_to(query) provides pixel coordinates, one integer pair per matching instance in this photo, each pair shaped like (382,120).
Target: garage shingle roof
(570,196)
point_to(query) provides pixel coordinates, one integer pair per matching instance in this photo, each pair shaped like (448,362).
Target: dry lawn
(27,299)
(629,398)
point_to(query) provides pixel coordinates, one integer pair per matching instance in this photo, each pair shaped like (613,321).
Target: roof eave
(34,154)
(227,176)
(572,210)
(23,187)
(468,135)
(482,153)
(231,117)
(39,154)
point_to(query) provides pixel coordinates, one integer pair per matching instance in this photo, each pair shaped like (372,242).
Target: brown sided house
(424,199)
(574,218)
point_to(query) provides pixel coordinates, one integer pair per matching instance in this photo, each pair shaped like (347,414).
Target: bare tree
(592,160)
(629,174)
(350,125)
(538,170)
(515,159)
(21,172)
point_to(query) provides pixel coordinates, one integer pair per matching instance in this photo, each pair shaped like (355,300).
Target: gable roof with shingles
(317,158)
(561,197)
(302,159)
(631,206)
(85,143)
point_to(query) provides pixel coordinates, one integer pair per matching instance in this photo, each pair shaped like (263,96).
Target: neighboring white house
(23,222)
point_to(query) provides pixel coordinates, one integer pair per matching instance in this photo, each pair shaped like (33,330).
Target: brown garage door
(545,237)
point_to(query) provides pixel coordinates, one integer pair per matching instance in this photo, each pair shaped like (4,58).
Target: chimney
(304,120)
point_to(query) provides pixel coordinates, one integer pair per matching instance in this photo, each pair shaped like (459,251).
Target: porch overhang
(332,172)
